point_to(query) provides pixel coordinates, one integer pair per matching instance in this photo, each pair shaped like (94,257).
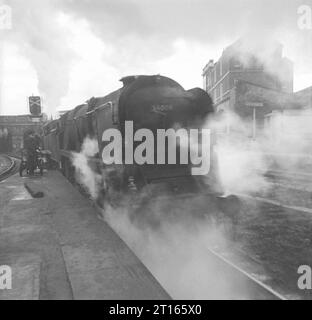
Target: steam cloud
(47,46)
(241,161)
(134,30)
(283,144)
(176,250)
(84,172)
(172,237)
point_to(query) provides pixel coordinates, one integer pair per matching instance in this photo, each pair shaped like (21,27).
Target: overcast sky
(70,50)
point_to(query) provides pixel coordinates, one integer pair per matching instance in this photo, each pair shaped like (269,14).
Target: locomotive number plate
(162,108)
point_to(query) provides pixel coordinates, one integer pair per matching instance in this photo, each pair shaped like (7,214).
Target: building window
(208,81)
(235,63)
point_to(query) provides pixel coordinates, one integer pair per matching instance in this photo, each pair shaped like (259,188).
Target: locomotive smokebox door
(35,106)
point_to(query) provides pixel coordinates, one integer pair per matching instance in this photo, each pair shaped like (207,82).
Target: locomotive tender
(152,102)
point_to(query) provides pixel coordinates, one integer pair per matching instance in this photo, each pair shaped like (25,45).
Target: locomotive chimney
(127,80)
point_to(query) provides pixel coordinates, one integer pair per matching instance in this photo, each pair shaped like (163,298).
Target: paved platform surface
(59,249)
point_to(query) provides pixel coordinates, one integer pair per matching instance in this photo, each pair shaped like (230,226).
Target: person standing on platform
(31,148)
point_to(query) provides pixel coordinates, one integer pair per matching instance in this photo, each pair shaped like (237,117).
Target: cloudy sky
(69,50)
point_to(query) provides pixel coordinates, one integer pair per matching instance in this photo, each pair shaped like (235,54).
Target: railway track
(246,285)
(289,175)
(275,203)
(270,234)
(298,183)
(8,166)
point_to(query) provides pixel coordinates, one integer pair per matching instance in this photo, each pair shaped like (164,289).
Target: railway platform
(57,248)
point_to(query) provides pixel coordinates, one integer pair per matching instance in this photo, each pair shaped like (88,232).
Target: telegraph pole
(254,106)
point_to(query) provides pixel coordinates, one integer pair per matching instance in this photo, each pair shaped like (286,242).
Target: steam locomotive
(153,102)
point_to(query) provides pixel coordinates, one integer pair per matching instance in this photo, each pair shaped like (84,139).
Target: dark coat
(31,145)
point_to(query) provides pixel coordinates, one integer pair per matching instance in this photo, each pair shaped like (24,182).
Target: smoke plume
(172,236)
(40,38)
(85,174)
(284,143)
(139,37)
(241,162)
(177,250)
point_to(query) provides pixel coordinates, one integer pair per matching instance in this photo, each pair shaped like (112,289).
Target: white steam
(42,39)
(85,174)
(284,143)
(241,161)
(124,26)
(287,140)
(268,52)
(177,252)
(171,237)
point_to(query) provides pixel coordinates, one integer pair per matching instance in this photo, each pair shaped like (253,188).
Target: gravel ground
(280,240)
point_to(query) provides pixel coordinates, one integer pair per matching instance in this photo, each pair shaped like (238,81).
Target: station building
(305,97)
(12,129)
(251,87)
